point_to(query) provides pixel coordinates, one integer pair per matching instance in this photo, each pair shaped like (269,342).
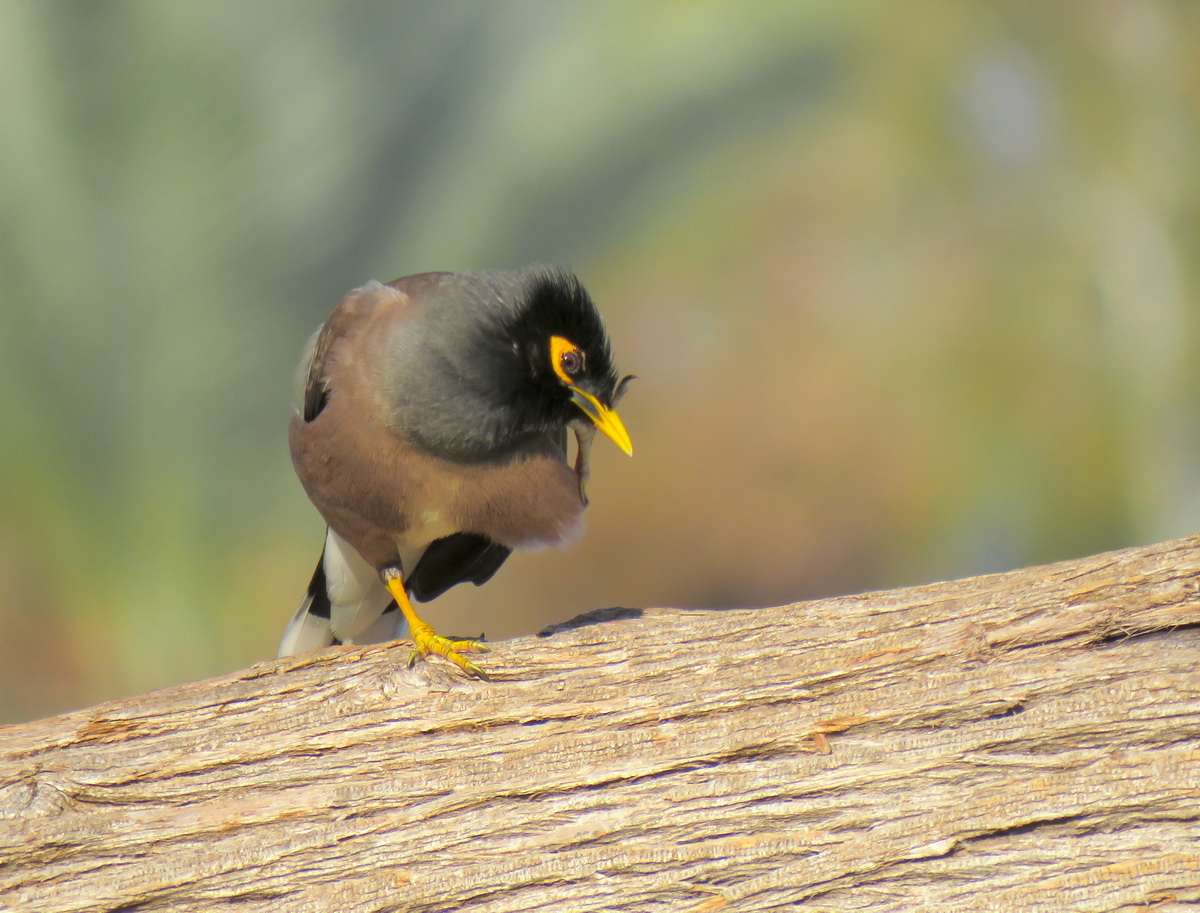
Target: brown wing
(316,384)
(359,304)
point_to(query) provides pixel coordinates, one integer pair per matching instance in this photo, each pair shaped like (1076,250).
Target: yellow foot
(428,641)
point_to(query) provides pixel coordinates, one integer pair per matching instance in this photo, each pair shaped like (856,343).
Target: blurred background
(911,291)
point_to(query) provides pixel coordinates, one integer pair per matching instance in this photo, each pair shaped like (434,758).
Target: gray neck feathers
(451,370)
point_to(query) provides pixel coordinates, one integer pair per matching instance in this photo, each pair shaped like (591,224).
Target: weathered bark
(1025,741)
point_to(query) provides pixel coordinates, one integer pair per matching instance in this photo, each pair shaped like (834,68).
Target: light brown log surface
(1026,741)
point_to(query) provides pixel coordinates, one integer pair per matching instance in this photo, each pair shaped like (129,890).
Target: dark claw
(620,391)
(585,433)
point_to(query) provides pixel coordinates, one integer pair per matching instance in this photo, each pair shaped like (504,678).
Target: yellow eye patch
(566,358)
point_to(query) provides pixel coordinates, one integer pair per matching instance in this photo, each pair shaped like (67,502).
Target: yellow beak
(603,418)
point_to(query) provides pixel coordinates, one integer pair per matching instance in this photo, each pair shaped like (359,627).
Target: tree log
(1021,741)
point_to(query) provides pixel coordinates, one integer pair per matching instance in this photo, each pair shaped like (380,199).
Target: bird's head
(494,358)
(567,371)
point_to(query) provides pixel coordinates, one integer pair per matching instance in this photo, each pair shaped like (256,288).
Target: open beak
(603,418)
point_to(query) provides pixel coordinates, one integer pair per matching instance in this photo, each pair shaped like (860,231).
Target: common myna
(431,434)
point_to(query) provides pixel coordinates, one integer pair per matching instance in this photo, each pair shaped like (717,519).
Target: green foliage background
(911,289)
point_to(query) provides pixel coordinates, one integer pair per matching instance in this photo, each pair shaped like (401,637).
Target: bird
(431,434)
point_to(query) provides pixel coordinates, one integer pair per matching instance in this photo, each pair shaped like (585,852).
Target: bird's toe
(429,641)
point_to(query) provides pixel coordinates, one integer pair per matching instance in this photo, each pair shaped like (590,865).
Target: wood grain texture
(1025,741)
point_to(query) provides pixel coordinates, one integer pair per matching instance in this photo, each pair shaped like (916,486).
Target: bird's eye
(571,361)
(566,358)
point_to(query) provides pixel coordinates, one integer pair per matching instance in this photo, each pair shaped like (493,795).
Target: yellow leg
(427,640)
